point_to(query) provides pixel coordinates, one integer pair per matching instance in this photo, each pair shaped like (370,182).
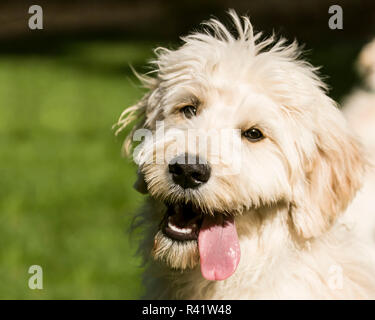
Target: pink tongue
(219,248)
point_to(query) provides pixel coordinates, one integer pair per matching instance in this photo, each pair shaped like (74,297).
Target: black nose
(188,172)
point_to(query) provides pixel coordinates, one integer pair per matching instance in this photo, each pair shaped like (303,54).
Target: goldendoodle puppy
(248,165)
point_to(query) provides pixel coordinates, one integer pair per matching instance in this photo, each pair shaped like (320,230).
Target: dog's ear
(332,175)
(143,114)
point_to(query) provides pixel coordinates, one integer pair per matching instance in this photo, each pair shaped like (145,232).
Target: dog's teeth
(180,230)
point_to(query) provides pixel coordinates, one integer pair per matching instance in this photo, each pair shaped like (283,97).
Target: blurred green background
(66,197)
(65,192)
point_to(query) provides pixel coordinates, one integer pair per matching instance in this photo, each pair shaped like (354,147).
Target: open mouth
(216,237)
(182,222)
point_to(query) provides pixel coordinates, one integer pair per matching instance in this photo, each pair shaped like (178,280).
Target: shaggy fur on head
(287,190)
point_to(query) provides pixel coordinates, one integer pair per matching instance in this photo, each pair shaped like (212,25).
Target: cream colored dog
(258,218)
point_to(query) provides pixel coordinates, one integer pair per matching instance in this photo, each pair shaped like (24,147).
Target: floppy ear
(332,175)
(144,113)
(141,115)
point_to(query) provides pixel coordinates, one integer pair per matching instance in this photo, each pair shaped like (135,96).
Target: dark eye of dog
(253,134)
(189,111)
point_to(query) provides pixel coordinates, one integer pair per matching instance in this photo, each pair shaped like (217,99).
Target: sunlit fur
(291,188)
(359,109)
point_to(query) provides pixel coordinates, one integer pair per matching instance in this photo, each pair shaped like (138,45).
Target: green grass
(66,194)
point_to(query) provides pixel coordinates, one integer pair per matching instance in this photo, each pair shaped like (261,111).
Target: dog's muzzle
(215,235)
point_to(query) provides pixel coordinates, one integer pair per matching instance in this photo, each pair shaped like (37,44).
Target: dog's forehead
(242,103)
(221,92)
(237,95)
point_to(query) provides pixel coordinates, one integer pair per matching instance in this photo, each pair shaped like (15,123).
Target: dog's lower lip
(180,230)
(182,222)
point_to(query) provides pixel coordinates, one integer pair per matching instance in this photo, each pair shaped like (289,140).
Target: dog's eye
(253,134)
(189,111)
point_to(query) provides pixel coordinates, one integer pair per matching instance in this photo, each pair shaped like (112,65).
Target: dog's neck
(267,234)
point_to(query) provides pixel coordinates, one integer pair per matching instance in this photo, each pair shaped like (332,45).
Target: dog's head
(288,143)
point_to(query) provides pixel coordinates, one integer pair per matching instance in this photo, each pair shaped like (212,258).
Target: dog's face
(243,128)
